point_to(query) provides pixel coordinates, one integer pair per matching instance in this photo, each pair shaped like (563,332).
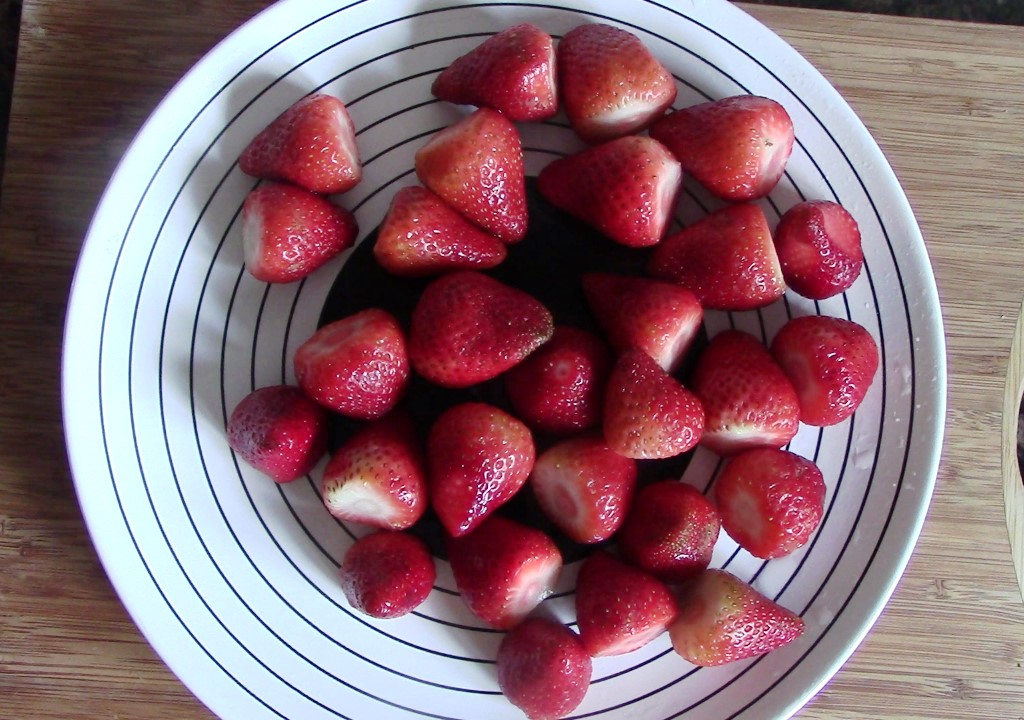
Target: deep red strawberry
(279,431)
(723,619)
(311,144)
(736,147)
(512,72)
(818,243)
(831,363)
(748,401)
(543,669)
(476,166)
(727,259)
(356,366)
(387,574)
(626,188)
(611,84)
(503,570)
(468,327)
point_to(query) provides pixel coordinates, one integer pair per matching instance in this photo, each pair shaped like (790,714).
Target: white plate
(233,579)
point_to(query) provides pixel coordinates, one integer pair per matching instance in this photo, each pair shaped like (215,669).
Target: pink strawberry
(288,232)
(559,388)
(626,188)
(378,476)
(356,366)
(618,607)
(771,501)
(611,84)
(279,431)
(647,413)
(311,144)
(727,259)
(736,147)
(468,327)
(584,487)
(818,243)
(748,401)
(387,574)
(478,457)
(660,318)
(831,363)
(723,619)
(543,669)
(512,72)
(421,235)
(503,570)
(476,166)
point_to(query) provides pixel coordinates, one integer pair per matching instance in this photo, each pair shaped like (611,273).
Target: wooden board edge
(1013,486)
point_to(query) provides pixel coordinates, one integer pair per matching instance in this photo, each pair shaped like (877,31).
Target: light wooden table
(946,103)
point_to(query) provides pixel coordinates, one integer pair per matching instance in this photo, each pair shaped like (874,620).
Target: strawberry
(478,457)
(279,431)
(647,413)
(378,476)
(584,487)
(670,531)
(831,363)
(771,501)
(543,669)
(468,327)
(421,235)
(626,188)
(356,366)
(512,72)
(723,619)
(818,243)
(311,144)
(727,259)
(748,401)
(559,388)
(503,570)
(476,166)
(618,607)
(387,574)
(736,147)
(611,85)
(660,318)
(288,232)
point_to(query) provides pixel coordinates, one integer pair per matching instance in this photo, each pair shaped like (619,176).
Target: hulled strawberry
(387,574)
(818,243)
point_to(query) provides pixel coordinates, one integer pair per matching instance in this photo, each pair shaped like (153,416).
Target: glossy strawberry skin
(387,574)
(819,248)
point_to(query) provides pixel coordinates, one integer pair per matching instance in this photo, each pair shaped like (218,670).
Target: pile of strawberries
(602,402)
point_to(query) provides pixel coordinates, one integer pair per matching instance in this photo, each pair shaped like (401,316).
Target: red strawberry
(279,431)
(584,487)
(311,144)
(620,608)
(543,669)
(771,501)
(727,259)
(356,366)
(626,188)
(831,363)
(503,570)
(559,388)
(611,84)
(748,401)
(288,232)
(660,318)
(476,166)
(468,327)
(736,147)
(647,413)
(670,531)
(723,619)
(421,235)
(818,243)
(378,476)
(387,574)
(478,458)
(512,72)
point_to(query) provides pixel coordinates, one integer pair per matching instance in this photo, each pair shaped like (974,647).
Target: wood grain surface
(946,103)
